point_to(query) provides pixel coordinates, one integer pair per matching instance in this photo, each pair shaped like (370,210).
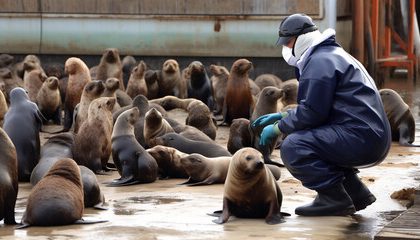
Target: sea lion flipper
(274,219)
(90,221)
(189,181)
(207,181)
(225,212)
(23,225)
(130,180)
(100,206)
(216,213)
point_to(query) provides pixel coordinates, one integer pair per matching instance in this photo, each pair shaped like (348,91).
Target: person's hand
(269,133)
(268,119)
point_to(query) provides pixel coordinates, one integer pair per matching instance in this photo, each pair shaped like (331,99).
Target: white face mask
(288,56)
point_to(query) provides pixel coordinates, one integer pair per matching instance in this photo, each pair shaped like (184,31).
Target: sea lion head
(94,88)
(170,66)
(112,84)
(167,139)
(111,55)
(52,83)
(194,164)
(241,66)
(246,162)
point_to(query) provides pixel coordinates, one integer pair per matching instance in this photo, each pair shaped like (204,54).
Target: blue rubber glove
(269,133)
(268,119)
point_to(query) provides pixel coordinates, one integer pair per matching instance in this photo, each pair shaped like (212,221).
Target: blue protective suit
(339,123)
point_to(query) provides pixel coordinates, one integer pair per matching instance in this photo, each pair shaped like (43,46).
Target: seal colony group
(115,118)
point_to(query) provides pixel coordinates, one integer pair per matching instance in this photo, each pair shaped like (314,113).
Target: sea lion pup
(290,89)
(151,79)
(154,126)
(136,83)
(91,91)
(92,145)
(49,100)
(168,161)
(79,76)
(169,79)
(250,190)
(8,178)
(219,84)
(3,107)
(128,63)
(267,79)
(58,198)
(199,85)
(112,85)
(32,81)
(134,164)
(239,135)
(172,102)
(208,149)
(400,118)
(22,124)
(92,194)
(200,116)
(110,66)
(266,103)
(238,100)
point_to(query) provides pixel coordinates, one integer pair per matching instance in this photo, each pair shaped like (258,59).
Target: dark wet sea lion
(185,145)
(151,78)
(22,124)
(58,198)
(92,194)
(199,85)
(8,178)
(200,116)
(154,126)
(250,190)
(169,161)
(128,63)
(239,135)
(403,126)
(134,163)
(238,100)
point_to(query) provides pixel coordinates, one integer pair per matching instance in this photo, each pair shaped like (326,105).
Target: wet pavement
(166,210)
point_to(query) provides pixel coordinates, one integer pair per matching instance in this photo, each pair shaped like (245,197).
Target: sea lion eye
(249,158)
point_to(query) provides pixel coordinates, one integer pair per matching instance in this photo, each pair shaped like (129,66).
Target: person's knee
(288,147)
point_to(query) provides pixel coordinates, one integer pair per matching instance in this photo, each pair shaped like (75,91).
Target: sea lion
(199,85)
(203,171)
(8,81)
(91,91)
(136,83)
(134,164)
(58,198)
(169,79)
(400,118)
(172,102)
(49,100)
(128,63)
(92,194)
(255,90)
(6,60)
(208,149)
(238,100)
(239,135)
(169,161)
(92,144)
(219,83)
(154,126)
(122,98)
(22,124)
(112,85)
(3,107)
(8,178)
(54,69)
(290,89)
(250,190)
(110,66)
(267,79)
(79,76)
(151,79)
(200,116)
(32,82)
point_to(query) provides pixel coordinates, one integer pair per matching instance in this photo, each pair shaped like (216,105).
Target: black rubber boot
(359,193)
(332,201)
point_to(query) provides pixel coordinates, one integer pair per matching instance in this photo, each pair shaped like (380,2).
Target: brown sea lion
(91,91)
(267,79)
(169,161)
(110,66)
(151,79)
(170,78)
(137,83)
(92,145)
(122,98)
(79,76)
(200,116)
(239,135)
(239,102)
(8,178)
(172,102)
(219,83)
(6,60)
(250,190)
(403,126)
(22,124)
(3,108)
(154,126)
(49,100)
(208,149)
(128,63)
(112,85)
(255,90)
(134,164)
(199,85)
(8,81)
(58,198)
(32,82)
(290,89)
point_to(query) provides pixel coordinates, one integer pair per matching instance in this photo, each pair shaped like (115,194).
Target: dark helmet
(295,25)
